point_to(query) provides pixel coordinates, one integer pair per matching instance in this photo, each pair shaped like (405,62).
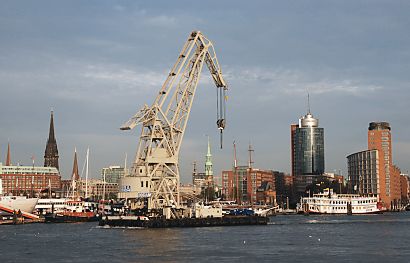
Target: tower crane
(153,182)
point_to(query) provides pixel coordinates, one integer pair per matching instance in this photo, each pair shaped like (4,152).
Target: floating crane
(153,183)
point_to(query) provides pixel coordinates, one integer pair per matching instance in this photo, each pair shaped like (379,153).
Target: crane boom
(154,178)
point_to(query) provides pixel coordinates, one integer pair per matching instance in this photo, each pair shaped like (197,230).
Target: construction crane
(153,182)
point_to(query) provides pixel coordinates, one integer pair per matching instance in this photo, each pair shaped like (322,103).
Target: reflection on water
(374,238)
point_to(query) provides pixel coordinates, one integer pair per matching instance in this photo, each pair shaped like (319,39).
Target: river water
(293,238)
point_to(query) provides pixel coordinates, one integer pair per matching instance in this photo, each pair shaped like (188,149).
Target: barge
(162,222)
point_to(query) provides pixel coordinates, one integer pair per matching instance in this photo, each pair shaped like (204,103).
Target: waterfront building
(51,152)
(29,180)
(372,171)
(405,188)
(364,172)
(307,151)
(112,173)
(97,189)
(379,138)
(284,188)
(242,184)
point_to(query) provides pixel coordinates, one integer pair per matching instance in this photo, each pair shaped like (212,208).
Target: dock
(20,221)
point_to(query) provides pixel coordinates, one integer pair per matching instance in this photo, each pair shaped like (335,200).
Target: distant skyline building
(51,152)
(112,173)
(307,151)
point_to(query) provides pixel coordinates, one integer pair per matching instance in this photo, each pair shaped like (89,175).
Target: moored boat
(74,211)
(22,203)
(329,202)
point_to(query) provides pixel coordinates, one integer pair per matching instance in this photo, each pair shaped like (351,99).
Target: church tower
(51,153)
(8,158)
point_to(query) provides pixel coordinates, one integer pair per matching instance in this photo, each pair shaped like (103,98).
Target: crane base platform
(143,222)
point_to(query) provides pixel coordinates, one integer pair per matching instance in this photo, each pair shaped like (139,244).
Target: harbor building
(51,152)
(307,151)
(372,171)
(28,180)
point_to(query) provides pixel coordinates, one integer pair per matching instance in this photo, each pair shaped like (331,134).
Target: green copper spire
(208,161)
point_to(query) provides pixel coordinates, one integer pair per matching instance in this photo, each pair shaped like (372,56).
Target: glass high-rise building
(308,151)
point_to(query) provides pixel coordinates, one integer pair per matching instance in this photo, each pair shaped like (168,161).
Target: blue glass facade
(309,151)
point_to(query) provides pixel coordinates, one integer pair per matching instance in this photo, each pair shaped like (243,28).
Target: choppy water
(373,238)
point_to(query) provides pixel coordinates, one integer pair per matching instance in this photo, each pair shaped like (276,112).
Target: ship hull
(69,218)
(19,203)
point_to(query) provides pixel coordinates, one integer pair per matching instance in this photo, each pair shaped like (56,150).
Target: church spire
(51,152)
(8,158)
(75,174)
(51,136)
(208,161)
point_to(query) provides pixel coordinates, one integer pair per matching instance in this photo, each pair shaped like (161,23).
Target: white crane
(153,183)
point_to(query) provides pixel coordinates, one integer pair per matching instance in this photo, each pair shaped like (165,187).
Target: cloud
(273,82)
(125,78)
(81,81)
(161,21)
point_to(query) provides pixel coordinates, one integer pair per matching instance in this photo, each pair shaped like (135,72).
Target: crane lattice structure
(164,123)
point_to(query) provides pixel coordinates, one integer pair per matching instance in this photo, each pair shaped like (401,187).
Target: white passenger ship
(332,203)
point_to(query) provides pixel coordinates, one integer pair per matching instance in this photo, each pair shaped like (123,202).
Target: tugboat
(74,211)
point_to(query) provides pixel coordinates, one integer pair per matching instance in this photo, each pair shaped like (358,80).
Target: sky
(96,63)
